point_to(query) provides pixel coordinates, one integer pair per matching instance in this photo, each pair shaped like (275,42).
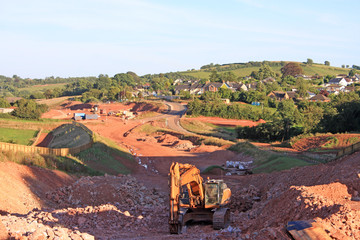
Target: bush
(271,131)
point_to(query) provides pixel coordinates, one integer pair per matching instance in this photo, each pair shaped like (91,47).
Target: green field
(42,88)
(18,136)
(319,69)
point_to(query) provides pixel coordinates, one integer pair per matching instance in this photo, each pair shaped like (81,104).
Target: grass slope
(208,129)
(319,69)
(266,162)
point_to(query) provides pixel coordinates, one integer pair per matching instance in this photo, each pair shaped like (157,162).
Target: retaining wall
(349,150)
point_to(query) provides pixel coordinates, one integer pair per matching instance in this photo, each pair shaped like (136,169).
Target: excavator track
(221,218)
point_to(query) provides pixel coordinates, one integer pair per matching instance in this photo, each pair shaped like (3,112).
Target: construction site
(38,203)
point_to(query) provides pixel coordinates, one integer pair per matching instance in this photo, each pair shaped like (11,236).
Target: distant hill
(245,69)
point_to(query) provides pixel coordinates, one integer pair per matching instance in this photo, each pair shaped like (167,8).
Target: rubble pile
(183,145)
(329,205)
(102,207)
(100,222)
(94,191)
(245,198)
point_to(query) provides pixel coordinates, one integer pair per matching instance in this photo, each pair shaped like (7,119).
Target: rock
(3,232)
(50,234)
(86,236)
(39,234)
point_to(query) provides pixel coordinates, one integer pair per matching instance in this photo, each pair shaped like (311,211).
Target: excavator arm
(189,176)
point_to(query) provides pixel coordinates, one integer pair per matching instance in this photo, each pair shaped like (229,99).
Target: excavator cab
(216,193)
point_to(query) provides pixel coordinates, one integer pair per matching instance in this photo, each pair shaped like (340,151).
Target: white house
(338,81)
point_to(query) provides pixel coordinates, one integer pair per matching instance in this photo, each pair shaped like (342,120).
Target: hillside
(242,70)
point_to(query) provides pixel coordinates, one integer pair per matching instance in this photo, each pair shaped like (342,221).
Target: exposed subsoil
(228,122)
(343,140)
(44,204)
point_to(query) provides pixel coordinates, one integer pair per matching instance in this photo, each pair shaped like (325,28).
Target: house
(268,80)
(252,85)
(215,86)
(319,98)
(178,81)
(196,88)
(356,77)
(334,88)
(278,95)
(338,81)
(242,87)
(292,95)
(348,89)
(311,94)
(303,76)
(182,87)
(349,81)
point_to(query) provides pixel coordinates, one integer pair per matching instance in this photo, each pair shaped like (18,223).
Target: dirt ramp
(23,188)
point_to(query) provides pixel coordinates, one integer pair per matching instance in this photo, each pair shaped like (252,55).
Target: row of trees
(341,115)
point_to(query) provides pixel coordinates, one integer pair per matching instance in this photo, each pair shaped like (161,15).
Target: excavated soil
(227,122)
(44,204)
(343,140)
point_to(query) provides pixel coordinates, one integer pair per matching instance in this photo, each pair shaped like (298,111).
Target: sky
(77,38)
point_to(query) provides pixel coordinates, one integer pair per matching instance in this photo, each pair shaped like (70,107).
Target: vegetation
(233,111)
(265,162)
(209,129)
(103,158)
(66,164)
(291,69)
(29,109)
(18,136)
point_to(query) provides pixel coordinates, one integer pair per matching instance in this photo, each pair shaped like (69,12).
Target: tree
(214,76)
(343,66)
(288,114)
(288,81)
(302,87)
(291,69)
(328,77)
(228,77)
(309,61)
(27,109)
(327,63)
(265,71)
(311,116)
(103,82)
(4,103)
(352,72)
(48,94)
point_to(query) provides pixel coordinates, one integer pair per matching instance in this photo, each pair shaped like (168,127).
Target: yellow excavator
(192,199)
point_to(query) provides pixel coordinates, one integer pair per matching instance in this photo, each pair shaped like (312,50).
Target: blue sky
(41,38)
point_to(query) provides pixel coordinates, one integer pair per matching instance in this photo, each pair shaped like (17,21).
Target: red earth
(228,122)
(262,204)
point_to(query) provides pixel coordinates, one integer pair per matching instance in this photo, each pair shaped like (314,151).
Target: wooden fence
(44,150)
(348,150)
(49,151)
